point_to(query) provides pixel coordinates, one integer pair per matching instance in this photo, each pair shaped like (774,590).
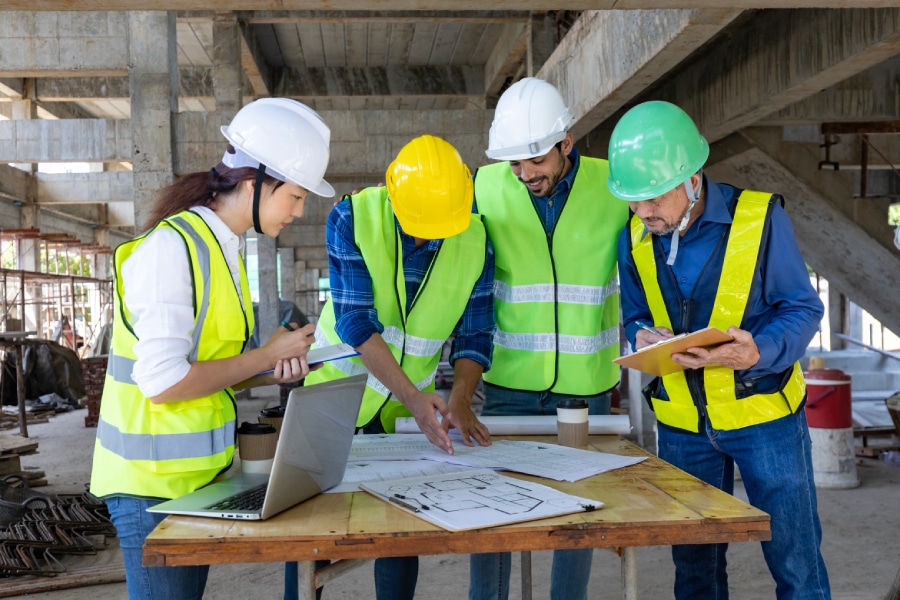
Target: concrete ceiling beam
(609,57)
(433,5)
(779,58)
(506,57)
(42,44)
(424,81)
(65,140)
(253,62)
(386,16)
(846,241)
(872,95)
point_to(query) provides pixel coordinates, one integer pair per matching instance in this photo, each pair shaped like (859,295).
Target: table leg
(525,566)
(306,584)
(629,572)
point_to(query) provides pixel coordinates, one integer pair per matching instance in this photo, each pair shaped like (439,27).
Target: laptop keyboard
(251,499)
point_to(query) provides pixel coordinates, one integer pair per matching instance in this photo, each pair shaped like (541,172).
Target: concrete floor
(861,542)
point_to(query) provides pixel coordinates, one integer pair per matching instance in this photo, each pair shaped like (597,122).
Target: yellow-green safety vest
(415,338)
(720,403)
(556,296)
(170,449)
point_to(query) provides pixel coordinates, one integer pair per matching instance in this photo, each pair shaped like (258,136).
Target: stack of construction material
(93,372)
(11,448)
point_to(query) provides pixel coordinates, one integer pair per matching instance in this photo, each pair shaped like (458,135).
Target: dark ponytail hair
(201,189)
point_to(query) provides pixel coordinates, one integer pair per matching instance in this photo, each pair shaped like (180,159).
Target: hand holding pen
(294,327)
(653,335)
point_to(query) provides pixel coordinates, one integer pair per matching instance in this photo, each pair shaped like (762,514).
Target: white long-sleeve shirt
(157,283)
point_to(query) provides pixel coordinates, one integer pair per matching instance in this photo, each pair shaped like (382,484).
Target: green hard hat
(654,147)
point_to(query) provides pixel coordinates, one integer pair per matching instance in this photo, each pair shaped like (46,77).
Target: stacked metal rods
(35,528)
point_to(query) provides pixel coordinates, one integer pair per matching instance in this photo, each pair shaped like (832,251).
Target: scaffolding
(61,300)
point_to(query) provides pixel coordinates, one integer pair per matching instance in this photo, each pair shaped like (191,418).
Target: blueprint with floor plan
(476,498)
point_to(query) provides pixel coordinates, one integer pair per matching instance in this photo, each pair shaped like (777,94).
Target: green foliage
(894,215)
(60,263)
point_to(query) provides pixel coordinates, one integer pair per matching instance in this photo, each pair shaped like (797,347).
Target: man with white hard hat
(554,226)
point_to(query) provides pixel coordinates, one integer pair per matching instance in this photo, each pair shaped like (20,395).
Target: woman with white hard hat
(183,315)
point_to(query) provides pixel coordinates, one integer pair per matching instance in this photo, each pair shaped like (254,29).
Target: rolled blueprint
(535,425)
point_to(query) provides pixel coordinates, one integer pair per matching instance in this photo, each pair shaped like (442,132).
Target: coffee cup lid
(256,428)
(572,403)
(273,412)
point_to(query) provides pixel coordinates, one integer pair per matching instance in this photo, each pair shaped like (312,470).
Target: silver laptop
(310,457)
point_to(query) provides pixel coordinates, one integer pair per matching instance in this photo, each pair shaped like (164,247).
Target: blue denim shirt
(783,311)
(354,301)
(550,207)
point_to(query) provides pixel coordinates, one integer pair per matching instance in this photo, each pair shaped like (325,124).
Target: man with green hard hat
(697,253)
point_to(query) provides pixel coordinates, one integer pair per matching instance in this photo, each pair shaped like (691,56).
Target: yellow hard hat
(430,188)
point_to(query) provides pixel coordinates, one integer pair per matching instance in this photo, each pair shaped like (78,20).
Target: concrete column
(227,84)
(854,323)
(286,276)
(29,251)
(153,83)
(837,316)
(267,266)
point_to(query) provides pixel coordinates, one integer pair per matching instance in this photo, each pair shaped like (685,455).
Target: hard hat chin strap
(257,187)
(694,196)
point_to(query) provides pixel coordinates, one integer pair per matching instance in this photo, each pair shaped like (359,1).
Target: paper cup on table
(256,446)
(273,416)
(572,423)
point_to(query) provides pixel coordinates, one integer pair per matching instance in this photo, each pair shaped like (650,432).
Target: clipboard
(656,359)
(323,354)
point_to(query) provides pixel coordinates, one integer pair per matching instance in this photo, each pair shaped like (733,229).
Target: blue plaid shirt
(354,301)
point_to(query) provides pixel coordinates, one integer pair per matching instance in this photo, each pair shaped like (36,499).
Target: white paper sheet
(534,458)
(389,447)
(381,470)
(476,498)
(535,425)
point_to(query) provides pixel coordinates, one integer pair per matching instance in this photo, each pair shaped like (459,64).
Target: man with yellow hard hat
(410,266)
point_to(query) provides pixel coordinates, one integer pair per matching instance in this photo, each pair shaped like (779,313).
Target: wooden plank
(64,581)
(13,444)
(10,464)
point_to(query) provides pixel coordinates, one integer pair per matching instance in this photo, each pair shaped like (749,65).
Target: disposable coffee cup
(273,416)
(256,446)
(572,423)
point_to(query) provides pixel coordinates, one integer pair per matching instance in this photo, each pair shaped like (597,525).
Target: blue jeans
(503,401)
(489,573)
(776,467)
(133,524)
(395,578)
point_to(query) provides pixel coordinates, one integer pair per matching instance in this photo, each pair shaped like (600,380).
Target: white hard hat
(530,118)
(286,136)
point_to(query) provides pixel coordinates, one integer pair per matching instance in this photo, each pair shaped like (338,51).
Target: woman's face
(280,207)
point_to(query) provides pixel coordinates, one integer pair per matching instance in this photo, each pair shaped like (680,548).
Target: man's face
(662,214)
(541,174)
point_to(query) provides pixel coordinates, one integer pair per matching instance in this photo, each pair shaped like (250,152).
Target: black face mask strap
(260,175)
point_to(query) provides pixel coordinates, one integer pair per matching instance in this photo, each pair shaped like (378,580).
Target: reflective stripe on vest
(144,446)
(724,410)
(557,303)
(415,339)
(169,449)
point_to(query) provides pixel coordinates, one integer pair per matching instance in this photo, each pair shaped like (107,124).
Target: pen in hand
(290,327)
(645,327)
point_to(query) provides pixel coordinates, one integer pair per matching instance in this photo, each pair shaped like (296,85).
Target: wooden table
(648,504)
